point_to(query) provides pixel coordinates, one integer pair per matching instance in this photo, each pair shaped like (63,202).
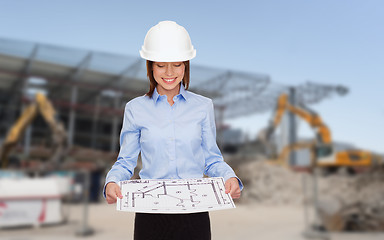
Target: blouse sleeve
(214,162)
(129,149)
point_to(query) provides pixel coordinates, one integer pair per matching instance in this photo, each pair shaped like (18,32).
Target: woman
(174,130)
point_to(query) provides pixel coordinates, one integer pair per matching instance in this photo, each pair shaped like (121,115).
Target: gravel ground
(247,222)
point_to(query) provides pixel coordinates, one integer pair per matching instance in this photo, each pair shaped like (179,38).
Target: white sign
(174,195)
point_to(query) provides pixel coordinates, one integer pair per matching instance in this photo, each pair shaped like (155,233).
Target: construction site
(61,111)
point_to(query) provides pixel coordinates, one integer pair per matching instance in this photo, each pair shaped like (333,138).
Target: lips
(169,80)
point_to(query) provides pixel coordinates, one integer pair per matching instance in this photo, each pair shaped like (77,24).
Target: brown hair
(153,83)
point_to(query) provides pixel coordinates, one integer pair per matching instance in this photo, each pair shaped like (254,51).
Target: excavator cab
(323,150)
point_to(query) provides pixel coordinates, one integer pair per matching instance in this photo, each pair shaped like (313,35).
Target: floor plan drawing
(174,195)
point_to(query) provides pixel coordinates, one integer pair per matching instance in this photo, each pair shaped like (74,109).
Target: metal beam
(115,122)
(81,67)
(72,116)
(14,93)
(217,83)
(95,120)
(74,95)
(64,81)
(28,64)
(74,75)
(292,128)
(131,69)
(85,108)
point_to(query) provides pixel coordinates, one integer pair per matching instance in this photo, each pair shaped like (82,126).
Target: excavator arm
(314,120)
(45,108)
(59,134)
(323,145)
(15,133)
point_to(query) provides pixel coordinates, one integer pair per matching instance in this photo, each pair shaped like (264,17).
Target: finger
(236,197)
(233,191)
(227,187)
(236,194)
(112,193)
(111,199)
(118,193)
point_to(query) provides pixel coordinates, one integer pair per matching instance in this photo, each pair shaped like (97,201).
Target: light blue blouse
(176,142)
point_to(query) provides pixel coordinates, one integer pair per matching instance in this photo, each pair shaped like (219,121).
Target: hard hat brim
(177,57)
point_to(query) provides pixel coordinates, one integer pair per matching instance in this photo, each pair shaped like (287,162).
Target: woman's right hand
(112,192)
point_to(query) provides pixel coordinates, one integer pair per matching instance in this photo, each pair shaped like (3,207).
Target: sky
(330,42)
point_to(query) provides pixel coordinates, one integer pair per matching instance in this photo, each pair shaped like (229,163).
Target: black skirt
(193,226)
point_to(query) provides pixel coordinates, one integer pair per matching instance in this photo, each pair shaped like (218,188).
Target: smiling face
(168,76)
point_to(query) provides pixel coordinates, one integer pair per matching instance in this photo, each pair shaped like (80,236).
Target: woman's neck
(169,93)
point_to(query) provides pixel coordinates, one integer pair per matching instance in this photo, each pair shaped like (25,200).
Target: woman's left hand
(232,187)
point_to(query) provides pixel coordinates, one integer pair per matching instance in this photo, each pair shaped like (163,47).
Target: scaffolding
(89,89)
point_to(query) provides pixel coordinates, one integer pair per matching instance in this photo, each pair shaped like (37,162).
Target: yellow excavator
(321,149)
(43,106)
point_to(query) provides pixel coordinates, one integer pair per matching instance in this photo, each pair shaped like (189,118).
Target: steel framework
(94,86)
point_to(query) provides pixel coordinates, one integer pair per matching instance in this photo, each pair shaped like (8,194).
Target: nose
(169,70)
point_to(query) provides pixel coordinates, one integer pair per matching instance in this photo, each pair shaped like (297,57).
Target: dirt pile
(357,201)
(270,184)
(346,202)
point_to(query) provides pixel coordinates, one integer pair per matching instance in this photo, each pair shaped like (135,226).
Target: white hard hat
(167,42)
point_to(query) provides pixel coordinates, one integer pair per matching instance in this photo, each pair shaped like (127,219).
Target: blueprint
(174,195)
